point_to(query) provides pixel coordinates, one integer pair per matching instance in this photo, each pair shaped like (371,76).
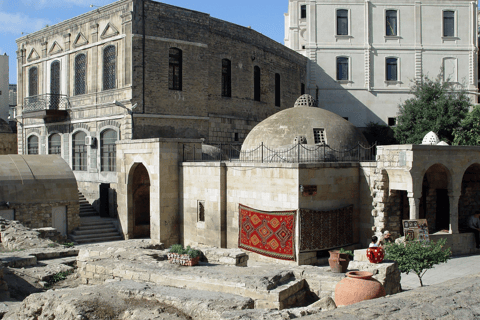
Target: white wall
(419,46)
(4,98)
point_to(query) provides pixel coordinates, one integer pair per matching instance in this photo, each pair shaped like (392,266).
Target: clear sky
(17,16)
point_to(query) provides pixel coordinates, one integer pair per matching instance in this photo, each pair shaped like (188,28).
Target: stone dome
(306,125)
(430,138)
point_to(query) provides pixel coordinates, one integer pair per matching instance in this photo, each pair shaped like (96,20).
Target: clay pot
(357,286)
(338,261)
(375,254)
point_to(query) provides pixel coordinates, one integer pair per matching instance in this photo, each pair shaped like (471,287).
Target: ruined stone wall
(8,143)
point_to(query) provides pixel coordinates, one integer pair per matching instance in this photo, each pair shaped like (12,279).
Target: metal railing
(298,153)
(47,101)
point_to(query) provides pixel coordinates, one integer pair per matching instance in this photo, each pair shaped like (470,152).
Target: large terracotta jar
(375,254)
(356,287)
(338,261)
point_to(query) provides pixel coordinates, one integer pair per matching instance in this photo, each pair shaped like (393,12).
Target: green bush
(417,257)
(178,248)
(349,252)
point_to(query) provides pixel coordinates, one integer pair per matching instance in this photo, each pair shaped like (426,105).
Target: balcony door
(55,85)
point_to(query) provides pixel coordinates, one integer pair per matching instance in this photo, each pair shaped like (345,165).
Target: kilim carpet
(271,234)
(320,230)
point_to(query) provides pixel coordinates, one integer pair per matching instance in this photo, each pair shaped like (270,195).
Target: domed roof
(307,125)
(430,138)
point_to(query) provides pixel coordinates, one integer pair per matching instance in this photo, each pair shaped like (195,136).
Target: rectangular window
(448,23)
(236,136)
(277,90)
(175,69)
(342,68)
(201,211)
(226,78)
(342,22)
(392,69)
(392,122)
(256,83)
(302,89)
(319,135)
(391,22)
(303,14)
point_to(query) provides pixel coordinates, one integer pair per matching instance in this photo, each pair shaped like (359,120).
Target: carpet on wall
(271,234)
(321,230)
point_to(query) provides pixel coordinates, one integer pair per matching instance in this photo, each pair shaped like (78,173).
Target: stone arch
(138,201)
(469,201)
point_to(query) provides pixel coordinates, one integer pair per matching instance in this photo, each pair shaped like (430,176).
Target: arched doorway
(140,197)
(469,201)
(435,202)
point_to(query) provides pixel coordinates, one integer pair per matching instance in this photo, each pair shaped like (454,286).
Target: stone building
(364,54)
(39,191)
(142,69)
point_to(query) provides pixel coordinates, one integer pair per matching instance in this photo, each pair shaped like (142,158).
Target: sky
(17,16)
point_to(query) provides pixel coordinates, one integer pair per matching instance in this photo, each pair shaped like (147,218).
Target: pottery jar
(375,254)
(357,286)
(338,261)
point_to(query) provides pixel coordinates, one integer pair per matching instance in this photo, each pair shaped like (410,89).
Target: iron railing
(298,153)
(47,101)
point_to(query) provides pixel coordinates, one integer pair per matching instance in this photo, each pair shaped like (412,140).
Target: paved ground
(456,267)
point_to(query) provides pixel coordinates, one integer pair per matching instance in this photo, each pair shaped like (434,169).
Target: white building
(364,54)
(4,93)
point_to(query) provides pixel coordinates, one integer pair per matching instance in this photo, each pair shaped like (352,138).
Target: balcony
(46,106)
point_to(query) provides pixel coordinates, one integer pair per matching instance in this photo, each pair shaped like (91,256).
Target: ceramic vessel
(338,261)
(357,286)
(375,254)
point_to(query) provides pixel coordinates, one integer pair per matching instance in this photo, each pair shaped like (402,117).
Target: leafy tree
(379,133)
(437,106)
(417,257)
(468,134)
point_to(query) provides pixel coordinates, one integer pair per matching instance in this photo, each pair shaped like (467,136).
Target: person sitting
(474,226)
(374,242)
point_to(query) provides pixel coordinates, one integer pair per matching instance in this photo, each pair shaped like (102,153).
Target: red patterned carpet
(268,233)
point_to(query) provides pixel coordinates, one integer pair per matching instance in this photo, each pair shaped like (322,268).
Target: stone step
(82,232)
(96,226)
(102,239)
(94,235)
(95,222)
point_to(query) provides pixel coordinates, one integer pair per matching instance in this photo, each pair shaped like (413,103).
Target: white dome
(430,138)
(442,143)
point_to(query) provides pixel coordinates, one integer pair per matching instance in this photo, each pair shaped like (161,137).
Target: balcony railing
(47,101)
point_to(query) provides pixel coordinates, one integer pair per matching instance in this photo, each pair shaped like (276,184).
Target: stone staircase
(86,209)
(95,229)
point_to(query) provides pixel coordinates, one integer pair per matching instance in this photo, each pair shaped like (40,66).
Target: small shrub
(192,253)
(349,252)
(68,244)
(176,248)
(58,277)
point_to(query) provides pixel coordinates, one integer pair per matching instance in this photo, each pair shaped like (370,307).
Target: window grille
(54,144)
(79,152)
(80,74)
(448,23)
(342,22)
(108,150)
(319,136)
(342,68)
(277,90)
(175,69)
(303,14)
(55,84)
(256,83)
(109,66)
(392,65)
(226,78)
(201,210)
(32,145)
(391,22)
(33,81)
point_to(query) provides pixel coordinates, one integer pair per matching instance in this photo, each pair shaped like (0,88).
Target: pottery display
(357,286)
(338,261)
(375,254)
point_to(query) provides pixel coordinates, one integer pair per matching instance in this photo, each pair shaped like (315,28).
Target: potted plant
(184,257)
(339,260)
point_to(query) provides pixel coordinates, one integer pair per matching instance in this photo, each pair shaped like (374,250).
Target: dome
(306,125)
(430,138)
(442,143)
(305,100)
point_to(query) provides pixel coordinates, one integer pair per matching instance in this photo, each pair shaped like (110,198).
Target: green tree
(417,257)
(437,106)
(468,134)
(379,133)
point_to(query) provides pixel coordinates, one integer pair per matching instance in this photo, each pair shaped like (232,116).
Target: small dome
(305,101)
(430,138)
(442,143)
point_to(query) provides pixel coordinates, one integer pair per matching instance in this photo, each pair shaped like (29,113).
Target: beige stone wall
(8,143)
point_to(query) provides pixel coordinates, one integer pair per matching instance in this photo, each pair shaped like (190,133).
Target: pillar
(414,201)
(453,197)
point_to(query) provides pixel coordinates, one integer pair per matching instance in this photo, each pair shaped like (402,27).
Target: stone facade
(364,92)
(4,93)
(140,103)
(8,143)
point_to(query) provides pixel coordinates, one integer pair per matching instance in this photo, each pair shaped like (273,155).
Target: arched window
(277,90)
(175,69)
(79,151)
(109,68)
(33,81)
(342,22)
(80,73)
(108,150)
(256,83)
(226,78)
(32,145)
(392,69)
(55,144)
(342,68)
(54,84)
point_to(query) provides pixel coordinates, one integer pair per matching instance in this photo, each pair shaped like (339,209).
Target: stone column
(414,201)
(453,197)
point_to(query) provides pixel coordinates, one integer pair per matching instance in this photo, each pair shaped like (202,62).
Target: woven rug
(320,230)
(271,234)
